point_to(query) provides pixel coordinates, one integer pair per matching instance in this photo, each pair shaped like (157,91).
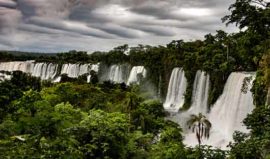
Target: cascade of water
(48,71)
(51,71)
(95,67)
(57,79)
(199,99)
(4,76)
(89,78)
(72,70)
(83,69)
(116,74)
(38,69)
(75,70)
(227,113)
(24,66)
(135,71)
(200,93)
(176,90)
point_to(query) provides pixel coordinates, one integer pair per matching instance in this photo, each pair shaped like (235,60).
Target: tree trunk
(268,97)
(228,50)
(199,135)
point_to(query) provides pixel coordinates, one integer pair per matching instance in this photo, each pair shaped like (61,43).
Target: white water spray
(227,113)
(116,74)
(200,93)
(133,76)
(176,91)
(48,71)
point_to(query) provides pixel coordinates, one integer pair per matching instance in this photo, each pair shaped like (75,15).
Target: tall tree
(251,14)
(200,125)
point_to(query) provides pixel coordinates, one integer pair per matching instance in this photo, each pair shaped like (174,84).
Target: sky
(100,25)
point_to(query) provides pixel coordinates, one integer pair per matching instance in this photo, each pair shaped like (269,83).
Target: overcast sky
(61,25)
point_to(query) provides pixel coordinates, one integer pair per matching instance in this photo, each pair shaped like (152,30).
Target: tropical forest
(189,99)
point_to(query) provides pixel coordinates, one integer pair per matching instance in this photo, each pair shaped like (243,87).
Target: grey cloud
(156,30)
(86,15)
(60,25)
(44,8)
(9,19)
(5,42)
(37,29)
(161,13)
(56,8)
(119,30)
(54,24)
(8,4)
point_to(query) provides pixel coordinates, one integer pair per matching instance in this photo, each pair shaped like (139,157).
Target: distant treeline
(23,56)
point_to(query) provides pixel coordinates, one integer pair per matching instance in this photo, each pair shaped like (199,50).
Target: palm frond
(200,125)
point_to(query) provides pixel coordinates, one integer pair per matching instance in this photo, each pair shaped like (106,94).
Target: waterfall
(76,70)
(57,79)
(37,71)
(135,71)
(176,90)
(52,70)
(72,70)
(227,113)
(48,71)
(200,93)
(45,71)
(116,74)
(199,102)
(93,68)
(24,66)
(4,76)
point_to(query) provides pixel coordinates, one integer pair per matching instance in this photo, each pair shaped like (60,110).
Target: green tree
(245,147)
(102,135)
(200,125)
(149,116)
(254,14)
(169,145)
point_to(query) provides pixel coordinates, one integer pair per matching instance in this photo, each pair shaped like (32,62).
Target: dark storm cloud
(9,16)
(68,26)
(158,12)
(156,30)
(8,4)
(118,30)
(101,24)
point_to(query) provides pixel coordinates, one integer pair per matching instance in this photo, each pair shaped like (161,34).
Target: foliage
(253,14)
(244,147)
(170,143)
(200,125)
(205,151)
(71,120)
(149,116)
(13,89)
